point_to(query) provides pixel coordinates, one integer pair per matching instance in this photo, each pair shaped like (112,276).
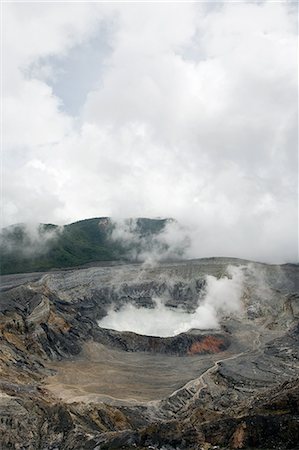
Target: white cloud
(194,117)
(32,239)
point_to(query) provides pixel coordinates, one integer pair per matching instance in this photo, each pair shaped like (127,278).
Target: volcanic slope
(68,383)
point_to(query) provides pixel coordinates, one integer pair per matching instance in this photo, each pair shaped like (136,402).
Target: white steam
(223,297)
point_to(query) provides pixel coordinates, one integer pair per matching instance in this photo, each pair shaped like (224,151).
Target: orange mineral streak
(210,344)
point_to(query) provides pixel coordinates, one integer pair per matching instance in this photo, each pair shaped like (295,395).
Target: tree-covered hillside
(27,248)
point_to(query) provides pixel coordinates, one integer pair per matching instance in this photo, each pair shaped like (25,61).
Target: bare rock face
(239,384)
(195,343)
(40,313)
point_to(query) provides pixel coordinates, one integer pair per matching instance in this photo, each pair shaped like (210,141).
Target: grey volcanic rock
(242,389)
(182,344)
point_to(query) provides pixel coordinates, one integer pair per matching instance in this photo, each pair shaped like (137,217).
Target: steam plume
(223,297)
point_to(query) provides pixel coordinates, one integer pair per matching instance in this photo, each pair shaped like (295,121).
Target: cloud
(29,239)
(193,116)
(171,242)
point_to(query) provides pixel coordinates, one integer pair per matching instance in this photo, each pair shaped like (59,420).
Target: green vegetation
(47,246)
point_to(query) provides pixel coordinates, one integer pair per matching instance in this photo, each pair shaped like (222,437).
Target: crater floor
(114,376)
(103,373)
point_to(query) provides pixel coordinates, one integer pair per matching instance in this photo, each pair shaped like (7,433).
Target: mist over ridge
(33,247)
(38,247)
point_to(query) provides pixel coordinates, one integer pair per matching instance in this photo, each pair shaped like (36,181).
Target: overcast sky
(184,110)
